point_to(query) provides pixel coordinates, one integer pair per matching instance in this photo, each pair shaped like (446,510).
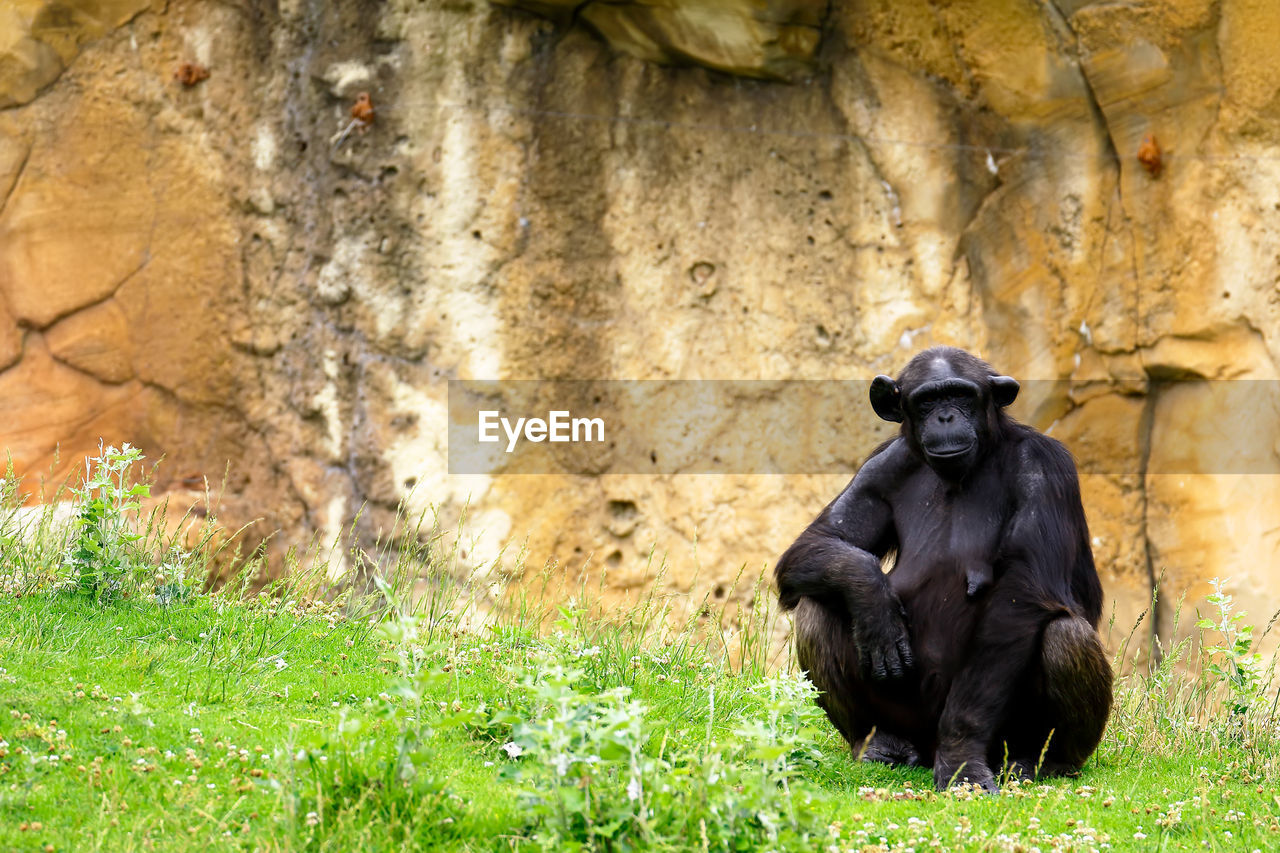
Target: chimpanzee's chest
(944,532)
(947,536)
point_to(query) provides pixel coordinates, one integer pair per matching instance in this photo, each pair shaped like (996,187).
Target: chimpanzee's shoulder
(1034,447)
(1038,460)
(893,458)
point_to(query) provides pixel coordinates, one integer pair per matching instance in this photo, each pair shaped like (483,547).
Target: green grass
(142,726)
(138,713)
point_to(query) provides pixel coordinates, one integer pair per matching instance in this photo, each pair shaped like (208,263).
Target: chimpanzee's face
(948,418)
(948,402)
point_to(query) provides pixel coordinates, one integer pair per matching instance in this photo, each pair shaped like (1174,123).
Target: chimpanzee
(978,650)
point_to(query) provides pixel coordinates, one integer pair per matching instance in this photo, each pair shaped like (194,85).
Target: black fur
(981,642)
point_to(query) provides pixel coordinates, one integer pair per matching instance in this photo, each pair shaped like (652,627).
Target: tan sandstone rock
(79,219)
(217,274)
(39,39)
(95,340)
(776,38)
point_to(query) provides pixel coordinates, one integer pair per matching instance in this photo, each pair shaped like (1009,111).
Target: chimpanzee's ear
(1004,390)
(886,399)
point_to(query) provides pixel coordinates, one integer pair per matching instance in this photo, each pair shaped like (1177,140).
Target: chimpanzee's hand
(880,633)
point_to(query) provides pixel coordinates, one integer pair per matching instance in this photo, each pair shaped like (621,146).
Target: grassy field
(138,712)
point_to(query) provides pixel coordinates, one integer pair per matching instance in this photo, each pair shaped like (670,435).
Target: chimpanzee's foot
(1020,769)
(890,749)
(947,774)
(1029,770)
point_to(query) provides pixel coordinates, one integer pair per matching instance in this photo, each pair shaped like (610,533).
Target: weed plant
(139,711)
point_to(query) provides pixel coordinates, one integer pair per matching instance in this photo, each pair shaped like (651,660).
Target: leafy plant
(753,793)
(587,758)
(383,759)
(1231,659)
(598,772)
(104,550)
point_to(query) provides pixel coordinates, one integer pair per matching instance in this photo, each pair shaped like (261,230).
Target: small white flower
(633,789)
(513,750)
(561,764)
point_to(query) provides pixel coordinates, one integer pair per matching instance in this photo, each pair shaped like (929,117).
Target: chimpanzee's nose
(946,417)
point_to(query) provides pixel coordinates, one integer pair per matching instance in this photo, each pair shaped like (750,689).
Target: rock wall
(646,190)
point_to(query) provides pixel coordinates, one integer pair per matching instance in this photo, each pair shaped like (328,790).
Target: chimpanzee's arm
(836,561)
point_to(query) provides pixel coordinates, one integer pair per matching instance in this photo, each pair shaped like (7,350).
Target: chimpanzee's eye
(960,402)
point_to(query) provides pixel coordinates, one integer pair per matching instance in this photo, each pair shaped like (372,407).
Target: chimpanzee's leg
(1006,644)
(1056,717)
(826,652)
(1033,668)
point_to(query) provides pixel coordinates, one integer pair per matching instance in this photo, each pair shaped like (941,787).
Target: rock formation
(652,189)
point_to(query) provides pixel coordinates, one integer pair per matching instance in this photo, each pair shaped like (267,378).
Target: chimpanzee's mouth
(953,452)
